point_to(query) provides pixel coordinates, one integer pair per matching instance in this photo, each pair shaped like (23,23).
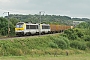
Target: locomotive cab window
(19,25)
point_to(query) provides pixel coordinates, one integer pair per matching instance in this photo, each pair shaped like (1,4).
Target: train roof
(29,23)
(20,23)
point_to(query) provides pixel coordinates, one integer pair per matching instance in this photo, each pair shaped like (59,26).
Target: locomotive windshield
(19,25)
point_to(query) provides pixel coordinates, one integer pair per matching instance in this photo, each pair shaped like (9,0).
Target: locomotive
(23,28)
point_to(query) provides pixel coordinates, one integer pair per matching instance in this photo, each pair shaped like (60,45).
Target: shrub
(68,32)
(72,36)
(88,44)
(53,45)
(64,35)
(87,38)
(78,45)
(66,40)
(80,34)
(61,43)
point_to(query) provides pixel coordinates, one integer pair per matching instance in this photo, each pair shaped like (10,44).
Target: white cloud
(63,7)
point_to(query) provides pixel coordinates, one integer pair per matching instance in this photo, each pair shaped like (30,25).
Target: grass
(39,48)
(42,45)
(49,57)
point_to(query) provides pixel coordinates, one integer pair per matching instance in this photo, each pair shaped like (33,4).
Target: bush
(61,43)
(64,35)
(71,34)
(80,34)
(87,38)
(53,45)
(78,45)
(73,37)
(66,40)
(88,44)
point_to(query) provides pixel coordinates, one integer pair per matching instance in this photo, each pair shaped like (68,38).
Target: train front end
(20,28)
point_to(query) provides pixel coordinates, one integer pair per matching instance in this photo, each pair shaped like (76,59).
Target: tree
(4,27)
(14,21)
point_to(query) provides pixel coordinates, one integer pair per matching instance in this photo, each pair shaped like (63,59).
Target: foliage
(73,34)
(53,45)
(78,45)
(70,34)
(87,38)
(88,45)
(62,42)
(87,32)
(4,26)
(83,25)
(78,32)
(50,19)
(14,21)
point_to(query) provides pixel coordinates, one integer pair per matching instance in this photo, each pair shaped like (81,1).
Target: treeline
(49,19)
(4,26)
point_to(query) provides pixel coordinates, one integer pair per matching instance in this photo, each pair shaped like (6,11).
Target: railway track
(22,37)
(11,38)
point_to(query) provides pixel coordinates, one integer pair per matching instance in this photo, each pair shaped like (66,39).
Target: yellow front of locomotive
(20,28)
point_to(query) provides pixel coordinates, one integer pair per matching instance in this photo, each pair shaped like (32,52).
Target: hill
(51,19)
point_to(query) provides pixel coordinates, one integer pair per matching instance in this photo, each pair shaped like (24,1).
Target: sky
(72,8)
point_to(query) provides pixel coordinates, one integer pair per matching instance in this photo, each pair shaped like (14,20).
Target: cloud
(61,7)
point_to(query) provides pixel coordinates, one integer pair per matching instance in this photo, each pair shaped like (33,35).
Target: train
(27,28)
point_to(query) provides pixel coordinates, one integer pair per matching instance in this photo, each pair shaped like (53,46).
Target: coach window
(33,26)
(45,27)
(27,26)
(36,26)
(48,27)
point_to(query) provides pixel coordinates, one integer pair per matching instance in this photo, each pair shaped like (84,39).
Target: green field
(48,57)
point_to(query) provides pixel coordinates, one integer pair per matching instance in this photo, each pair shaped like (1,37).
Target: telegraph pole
(40,22)
(8,23)
(40,15)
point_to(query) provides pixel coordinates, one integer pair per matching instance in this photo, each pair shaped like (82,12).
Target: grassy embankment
(41,45)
